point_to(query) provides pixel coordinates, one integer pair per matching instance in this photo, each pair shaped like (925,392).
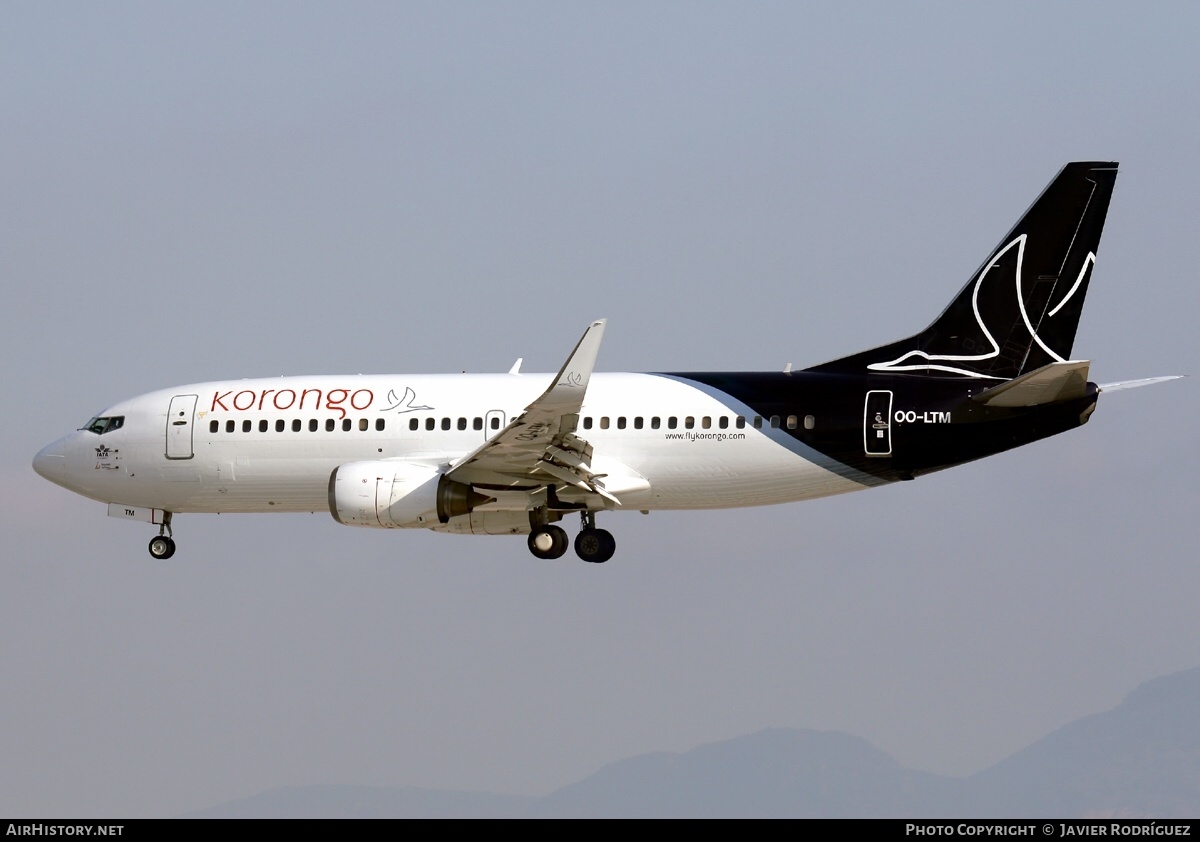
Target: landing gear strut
(162,546)
(546,540)
(591,544)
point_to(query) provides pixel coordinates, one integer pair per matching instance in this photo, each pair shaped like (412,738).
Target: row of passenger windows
(690,422)
(297,425)
(604,422)
(432,423)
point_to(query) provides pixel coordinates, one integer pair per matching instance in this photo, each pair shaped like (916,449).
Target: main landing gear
(162,546)
(591,544)
(548,541)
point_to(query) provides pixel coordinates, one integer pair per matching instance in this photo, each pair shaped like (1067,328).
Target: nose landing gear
(162,546)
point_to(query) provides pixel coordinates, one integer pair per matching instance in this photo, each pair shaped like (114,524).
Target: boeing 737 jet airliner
(513,454)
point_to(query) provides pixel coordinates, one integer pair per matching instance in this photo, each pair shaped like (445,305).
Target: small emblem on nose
(107,459)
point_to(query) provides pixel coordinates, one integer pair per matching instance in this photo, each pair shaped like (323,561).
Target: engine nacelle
(392,495)
(488,523)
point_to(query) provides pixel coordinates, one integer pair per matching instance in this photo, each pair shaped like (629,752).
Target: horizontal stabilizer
(1133,384)
(1049,384)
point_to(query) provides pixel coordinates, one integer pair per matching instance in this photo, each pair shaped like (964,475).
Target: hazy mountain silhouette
(780,772)
(1141,759)
(367,802)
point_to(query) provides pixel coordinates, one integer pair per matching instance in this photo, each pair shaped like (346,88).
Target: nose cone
(51,462)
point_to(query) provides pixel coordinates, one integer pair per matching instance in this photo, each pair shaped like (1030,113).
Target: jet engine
(392,495)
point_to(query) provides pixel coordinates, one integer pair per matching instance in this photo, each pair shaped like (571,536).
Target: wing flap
(567,476)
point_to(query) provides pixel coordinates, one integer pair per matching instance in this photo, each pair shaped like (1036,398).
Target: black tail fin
(1021,309)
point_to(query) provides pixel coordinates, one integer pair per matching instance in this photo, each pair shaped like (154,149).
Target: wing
(539,447)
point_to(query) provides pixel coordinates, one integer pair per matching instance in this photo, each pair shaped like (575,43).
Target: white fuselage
(270,445)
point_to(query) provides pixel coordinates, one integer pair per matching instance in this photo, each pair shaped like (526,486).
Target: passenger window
(329,425)
(295,425)
(346,425)
(477,424)
(379,424)
(810,421)
(758,422)
(429,423)
(689,422)
(603,422)
(793,422)
(587,423)
(246,426)
(214,426)
(312,425)
(229,425)
(655,422)
(723,422)
(621,422)
(637,423)
(740,422)
(462,423)
(413,423)
(445,423)
(706,422)
(279,425)
(262,425)
(363,425)
(774,422)
(495,423)
(672,422)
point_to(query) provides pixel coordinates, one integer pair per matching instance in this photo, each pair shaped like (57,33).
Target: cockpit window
(101,425)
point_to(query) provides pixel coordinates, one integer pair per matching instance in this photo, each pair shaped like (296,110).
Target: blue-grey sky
(193,191)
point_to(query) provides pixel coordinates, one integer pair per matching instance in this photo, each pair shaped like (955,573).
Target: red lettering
(335,399)
(336,403)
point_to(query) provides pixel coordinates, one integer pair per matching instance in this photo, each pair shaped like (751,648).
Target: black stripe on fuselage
(933,422)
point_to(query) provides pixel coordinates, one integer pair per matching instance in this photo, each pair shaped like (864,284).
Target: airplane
(514,454)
